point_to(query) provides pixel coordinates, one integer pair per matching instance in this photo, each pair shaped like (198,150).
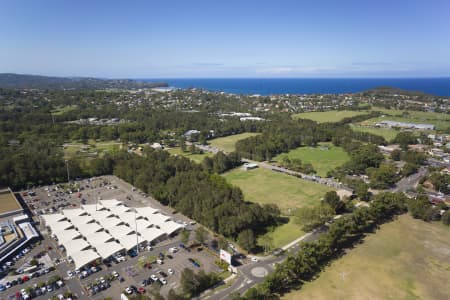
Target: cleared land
(287,192)
(91,149)
(324,158)
(198,158)
(388,133)
(405,259)
(8,202)
(228,143)
(329,116)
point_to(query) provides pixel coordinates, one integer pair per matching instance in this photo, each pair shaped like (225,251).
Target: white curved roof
(158,219)
(119,231)
(151,234)
(118,210)
(53,218)
(79,221)
(86,229)
(91,208)
(73,213)
(76,245)
(107,249)
(170,227)
(146,211)
(110,203)
(101,214)
(111,222)
(97,238)
(60,226)
(129,218)
(82,258)
(129,241)
(67,235)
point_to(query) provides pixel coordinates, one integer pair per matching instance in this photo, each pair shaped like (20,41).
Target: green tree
(266,242)
(332,199)
(185,236)
(310,217)
(201,234)
(246,239)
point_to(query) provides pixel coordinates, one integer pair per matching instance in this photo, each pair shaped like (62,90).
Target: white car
(170,271)
(115,274)
(153,276)
(162,280)
(254,259)
(69,273)
(129,291)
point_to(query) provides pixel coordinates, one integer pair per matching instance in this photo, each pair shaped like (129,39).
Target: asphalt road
(253,273)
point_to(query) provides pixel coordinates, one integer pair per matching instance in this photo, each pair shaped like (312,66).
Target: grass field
(328,116)
(321,159)
(284,234)
(388,133)
(406,259)
(228,143)
(287,192)
(63,110)
(265,186)
(8,201)
(198,158)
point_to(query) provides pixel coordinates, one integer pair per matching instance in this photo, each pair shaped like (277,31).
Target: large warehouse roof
(130,217)
(81,220)
(118,210)
(158,219)
(101,214)
(91,208)
(82,258)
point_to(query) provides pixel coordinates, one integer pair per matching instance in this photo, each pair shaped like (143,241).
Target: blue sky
(163,39)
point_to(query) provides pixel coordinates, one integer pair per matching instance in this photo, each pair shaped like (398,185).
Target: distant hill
(23,81)
(389,91)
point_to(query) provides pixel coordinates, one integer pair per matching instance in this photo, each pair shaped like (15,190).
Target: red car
(141,290)
(25,278)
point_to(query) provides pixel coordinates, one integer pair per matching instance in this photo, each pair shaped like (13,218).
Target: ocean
(269,86)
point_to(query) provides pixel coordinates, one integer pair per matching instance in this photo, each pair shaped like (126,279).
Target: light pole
(67,167)
(137,239)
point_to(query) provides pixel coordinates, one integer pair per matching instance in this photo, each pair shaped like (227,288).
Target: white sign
(225,256)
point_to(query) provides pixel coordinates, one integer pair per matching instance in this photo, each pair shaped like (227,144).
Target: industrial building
(16,228)
(98,231)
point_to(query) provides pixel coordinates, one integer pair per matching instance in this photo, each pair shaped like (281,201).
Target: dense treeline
(284,134)
(342,234)
(195,192)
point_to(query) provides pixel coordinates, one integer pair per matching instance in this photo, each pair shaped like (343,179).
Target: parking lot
(133,271)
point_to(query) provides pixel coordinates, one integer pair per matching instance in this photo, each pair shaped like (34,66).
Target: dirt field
(405,259)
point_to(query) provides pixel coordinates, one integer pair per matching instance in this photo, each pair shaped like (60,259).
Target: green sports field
(329,116)
(406,259)
(228,143)
(287,192)
(324,157)
(388,133)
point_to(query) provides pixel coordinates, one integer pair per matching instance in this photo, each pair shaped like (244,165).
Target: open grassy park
(389,265)
(329,116)
(388,133)
(228,143)
(287,192)
(198,158)
(325,157)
